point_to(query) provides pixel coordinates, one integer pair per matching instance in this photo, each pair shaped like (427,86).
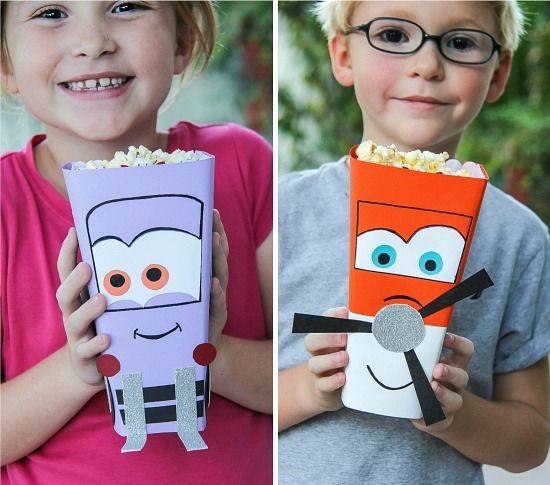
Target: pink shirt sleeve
(256,163)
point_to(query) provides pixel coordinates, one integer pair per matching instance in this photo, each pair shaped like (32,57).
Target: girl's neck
(60,147)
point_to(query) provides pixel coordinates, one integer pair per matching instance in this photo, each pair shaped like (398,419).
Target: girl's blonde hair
(195,30)
(334,17)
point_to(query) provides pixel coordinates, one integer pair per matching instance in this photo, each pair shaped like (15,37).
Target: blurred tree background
(245,45)
(510,137)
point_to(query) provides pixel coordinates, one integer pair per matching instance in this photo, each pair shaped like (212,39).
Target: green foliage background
(245,30)
(510,137)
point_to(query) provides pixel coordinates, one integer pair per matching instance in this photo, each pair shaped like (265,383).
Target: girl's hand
(82,344)
(220,277)
(450,380)
(328,358)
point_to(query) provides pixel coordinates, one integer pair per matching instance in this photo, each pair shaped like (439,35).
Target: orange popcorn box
(410,234)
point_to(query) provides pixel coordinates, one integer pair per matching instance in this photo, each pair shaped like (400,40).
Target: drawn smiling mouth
(380,383)
(157,336)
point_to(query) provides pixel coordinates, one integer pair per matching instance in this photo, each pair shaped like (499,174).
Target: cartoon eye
(430,263)
(383,256)
(116,282)
(155,276)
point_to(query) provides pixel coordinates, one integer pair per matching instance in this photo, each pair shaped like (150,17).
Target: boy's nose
(427,63)
(93,41)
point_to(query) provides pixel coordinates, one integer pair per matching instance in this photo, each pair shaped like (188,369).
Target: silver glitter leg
(136,429)
(186,410)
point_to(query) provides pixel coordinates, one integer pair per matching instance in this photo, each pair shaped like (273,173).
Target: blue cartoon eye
(383,256)
(430,263)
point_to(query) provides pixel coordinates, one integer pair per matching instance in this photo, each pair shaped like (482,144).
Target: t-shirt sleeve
(256,161)
(525,332)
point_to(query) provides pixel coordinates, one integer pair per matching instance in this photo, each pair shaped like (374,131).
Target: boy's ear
(500,77)
(340,59)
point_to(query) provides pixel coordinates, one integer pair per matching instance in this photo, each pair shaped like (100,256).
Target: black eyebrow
(152,229)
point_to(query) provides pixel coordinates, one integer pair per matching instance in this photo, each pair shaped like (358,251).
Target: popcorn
(419,161)
(139,157)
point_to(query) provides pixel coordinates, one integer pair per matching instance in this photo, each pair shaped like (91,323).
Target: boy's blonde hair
(195,30)
(334,17)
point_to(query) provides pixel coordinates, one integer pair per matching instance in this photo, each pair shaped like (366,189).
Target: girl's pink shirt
(34,221)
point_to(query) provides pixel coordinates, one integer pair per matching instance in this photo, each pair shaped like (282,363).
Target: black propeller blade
(470,286)
(304,323)
(431,409)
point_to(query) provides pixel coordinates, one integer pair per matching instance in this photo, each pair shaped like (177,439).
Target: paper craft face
(151,259)
(147,261)
(403,255)
(406,255)
(159,267)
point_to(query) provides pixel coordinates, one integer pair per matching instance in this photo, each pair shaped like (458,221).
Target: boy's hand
(220,277)
(82,344)
(450,380)
(328,358)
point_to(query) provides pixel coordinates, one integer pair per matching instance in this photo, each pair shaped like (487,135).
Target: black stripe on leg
(161,393)
(164,414)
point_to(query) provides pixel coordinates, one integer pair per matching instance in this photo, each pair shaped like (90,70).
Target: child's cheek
(376,85)
(471,88)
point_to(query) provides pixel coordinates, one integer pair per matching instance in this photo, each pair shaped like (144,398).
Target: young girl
(95,74)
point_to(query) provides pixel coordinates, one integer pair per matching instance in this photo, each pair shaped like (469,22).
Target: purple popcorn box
(146,232)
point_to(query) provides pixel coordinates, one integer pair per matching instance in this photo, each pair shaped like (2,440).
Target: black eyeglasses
(399,36)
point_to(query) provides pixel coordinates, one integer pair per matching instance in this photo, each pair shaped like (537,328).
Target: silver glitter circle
(398,328)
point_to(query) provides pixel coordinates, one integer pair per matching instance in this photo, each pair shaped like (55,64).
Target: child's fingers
(77,325)
(66,260)
(217,226)
(320,364)
(331,383)
(338,312)
(68,293)
(462,349)
(219,261)
(325,342)
(91,348)
(453,377)
(450,401)
(218,306)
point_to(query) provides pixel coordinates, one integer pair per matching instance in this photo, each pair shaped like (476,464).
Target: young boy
(417,92)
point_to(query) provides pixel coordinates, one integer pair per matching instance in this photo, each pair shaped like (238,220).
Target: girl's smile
(103,85)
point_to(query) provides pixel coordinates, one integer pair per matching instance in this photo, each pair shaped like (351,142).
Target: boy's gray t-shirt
(509,325)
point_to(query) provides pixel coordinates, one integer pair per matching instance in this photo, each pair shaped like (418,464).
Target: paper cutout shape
(410,234)
(146,233)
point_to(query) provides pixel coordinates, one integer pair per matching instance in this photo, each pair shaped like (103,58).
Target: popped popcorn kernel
(416,160)
(140,157)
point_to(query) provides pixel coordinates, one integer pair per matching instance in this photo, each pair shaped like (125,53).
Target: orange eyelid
(159,282)
(122,285)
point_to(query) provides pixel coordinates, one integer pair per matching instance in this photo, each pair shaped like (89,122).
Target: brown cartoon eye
(116,282)
(155,276)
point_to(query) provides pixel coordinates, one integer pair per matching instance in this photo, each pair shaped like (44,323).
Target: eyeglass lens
(403,37)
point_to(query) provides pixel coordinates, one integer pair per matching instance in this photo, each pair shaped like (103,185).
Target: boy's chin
(423,139)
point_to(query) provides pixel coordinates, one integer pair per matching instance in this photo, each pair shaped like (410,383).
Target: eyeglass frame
(365,28)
